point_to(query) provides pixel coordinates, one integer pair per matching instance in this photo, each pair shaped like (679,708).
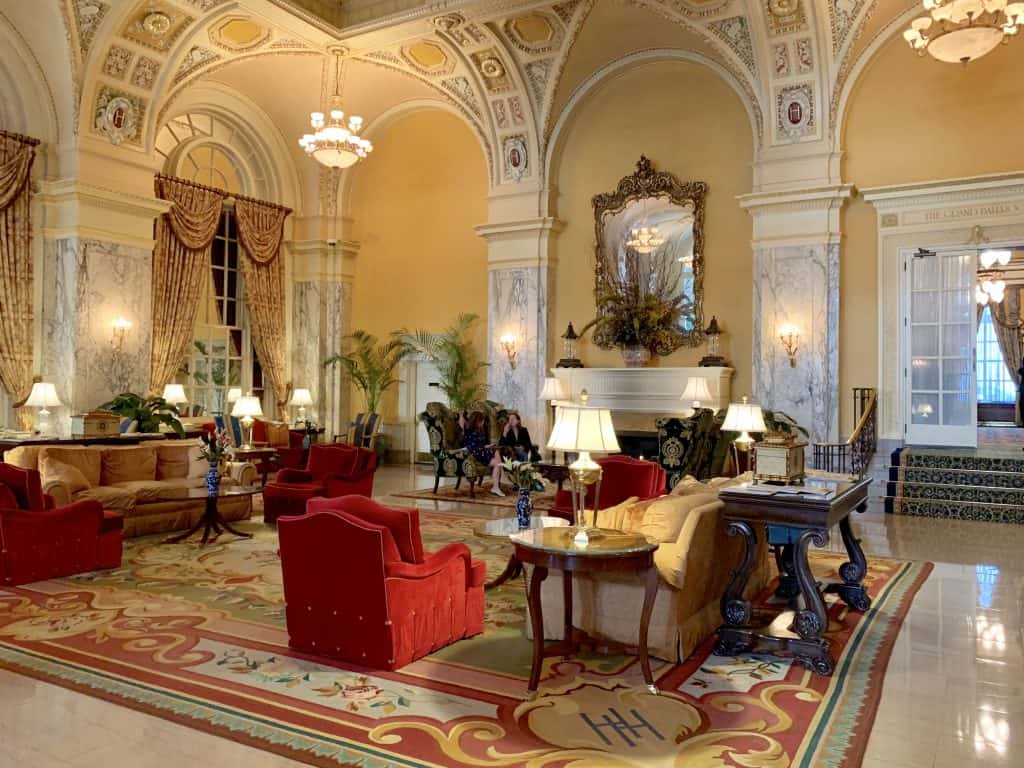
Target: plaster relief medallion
(197,58)
(145,72)
(780,60)
(785,16)
(516,159)
(117,63)
(515,108)
(804,57)
(118,116)
(88,15)
(500,115)
(156,25)
(795,116)
(495,75)
(534,33)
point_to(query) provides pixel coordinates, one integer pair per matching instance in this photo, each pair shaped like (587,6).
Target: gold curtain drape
(260,231)
(1006,317)
(181,262)
(16,295)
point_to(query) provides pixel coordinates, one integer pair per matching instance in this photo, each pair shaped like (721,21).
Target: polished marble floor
(953,695)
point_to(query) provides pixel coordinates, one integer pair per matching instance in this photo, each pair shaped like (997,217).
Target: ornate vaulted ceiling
(508,67)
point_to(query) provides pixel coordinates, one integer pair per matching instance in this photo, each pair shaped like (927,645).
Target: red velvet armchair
(39,541)
(358,586)
(332,470)
(622,477)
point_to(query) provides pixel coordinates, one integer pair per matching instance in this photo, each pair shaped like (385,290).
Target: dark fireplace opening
(638,443)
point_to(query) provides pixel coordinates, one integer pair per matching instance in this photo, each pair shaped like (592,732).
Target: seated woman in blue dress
(515,439)
(475,439)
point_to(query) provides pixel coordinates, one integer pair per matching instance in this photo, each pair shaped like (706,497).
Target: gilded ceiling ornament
(157,24)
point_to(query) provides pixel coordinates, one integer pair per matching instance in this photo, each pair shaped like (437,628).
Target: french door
(939,341)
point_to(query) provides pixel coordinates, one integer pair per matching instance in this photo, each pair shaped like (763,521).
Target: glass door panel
(941,330)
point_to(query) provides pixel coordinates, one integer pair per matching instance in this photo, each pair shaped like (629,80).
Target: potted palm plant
(452,353)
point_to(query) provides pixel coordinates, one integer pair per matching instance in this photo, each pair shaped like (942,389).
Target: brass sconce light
(789,335)
(121,329)
(508,343)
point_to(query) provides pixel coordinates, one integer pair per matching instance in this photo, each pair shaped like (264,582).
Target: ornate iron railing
(854,455)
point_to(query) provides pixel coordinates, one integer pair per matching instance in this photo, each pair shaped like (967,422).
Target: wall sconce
(121,329)
(789,335)
(508,343)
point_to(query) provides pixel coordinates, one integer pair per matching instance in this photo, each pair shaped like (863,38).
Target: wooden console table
(553,547)
(793,522)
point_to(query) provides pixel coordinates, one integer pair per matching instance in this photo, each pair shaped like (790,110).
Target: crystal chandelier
(644,240)
(335,143)
(964,30)
(991,286)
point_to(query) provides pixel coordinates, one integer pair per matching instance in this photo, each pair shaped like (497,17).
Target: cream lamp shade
(697,392)
(301,397)
(744,418)
(583,429)
(233,394)
(247,406)
(43,395)
(554,389)
(175,394)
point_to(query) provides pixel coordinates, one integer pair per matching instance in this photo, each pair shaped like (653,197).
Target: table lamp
(301,397)
(697,393)
(247,408)
(43,396)
(174,394)
(582,429)
(233,394)
(743,418)
(554,389)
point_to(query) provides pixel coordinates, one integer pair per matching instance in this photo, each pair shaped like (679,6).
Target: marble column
(519,281)
(796,283)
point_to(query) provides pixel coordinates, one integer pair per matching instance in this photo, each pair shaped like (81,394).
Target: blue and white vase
(213,480)
(524,508)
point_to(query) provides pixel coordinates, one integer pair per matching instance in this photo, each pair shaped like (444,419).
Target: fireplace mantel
(645,390)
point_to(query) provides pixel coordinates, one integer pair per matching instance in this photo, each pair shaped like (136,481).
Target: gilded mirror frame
(645,183)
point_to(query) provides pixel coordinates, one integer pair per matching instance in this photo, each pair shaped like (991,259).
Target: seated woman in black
(516,438)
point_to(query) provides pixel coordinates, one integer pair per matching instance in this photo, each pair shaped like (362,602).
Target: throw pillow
(614,517)
(123,465)
(666,516)
(87,460)
(173,458)
(70,476)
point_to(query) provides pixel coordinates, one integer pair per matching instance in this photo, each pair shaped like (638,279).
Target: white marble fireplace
(645,390)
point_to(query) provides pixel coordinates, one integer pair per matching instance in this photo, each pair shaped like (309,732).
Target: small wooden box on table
(793,523)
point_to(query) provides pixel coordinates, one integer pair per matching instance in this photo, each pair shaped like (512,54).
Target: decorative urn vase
(213,479)
(524,508)
(635,357)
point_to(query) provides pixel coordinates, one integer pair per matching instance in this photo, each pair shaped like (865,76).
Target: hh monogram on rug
(197,636)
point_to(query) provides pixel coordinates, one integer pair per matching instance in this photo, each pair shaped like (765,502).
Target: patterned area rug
(483,496)
(197,636)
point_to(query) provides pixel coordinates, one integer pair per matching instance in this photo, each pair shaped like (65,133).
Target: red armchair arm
(294,476)
(432,564)
(87,510)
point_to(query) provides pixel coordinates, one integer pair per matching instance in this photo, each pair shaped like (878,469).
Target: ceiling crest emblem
(537,73)
(118,116)
(196,58)
(794,112)
(735,33)
(516,161)
(492,70)
(785,16)
(460,87)
(841,16)
(88,15)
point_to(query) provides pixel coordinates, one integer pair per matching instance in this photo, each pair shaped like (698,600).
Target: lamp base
(583,472)
(247,425)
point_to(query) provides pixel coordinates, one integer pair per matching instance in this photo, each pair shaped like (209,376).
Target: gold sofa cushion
(173,457)
(119,499)
(665,516)
(127,464)
(85,459)
(71,477)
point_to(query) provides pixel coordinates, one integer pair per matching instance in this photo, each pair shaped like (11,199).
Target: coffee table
(547,548)
(504,527)
(211,519)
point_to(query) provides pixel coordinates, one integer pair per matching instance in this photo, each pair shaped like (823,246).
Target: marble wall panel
(798,285)
(517,301)
(321,316)
(87,284)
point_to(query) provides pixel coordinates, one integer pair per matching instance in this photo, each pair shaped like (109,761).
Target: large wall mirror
(650,244)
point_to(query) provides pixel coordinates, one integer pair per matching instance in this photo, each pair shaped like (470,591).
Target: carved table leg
(537,623)
(736,610)
(567,630)
(852,572)
(512,570)
(650,592)
(812,621)
(788,585)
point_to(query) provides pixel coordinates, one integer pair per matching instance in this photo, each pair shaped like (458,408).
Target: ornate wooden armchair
(450,458)
(693,446)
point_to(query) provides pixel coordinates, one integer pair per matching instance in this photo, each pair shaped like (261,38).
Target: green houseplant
(452,353)
(147,412)
(370,365)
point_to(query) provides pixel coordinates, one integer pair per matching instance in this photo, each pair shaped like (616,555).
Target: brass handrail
(859,447)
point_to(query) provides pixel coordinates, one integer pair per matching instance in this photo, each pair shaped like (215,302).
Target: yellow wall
(689,122)
(914,119)
(414,205)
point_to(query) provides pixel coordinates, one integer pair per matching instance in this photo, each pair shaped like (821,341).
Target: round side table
(504,527)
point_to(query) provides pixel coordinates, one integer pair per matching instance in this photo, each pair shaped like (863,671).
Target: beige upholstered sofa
(694,560)
(140,481)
